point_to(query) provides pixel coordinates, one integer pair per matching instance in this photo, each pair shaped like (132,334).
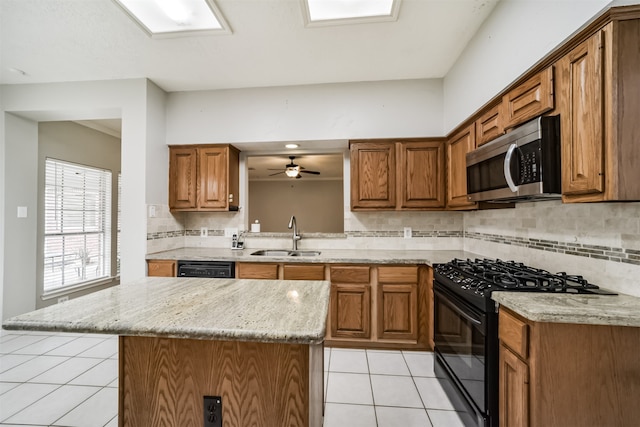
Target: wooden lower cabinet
(161,268)
(398,303)
(514,390)
(563,374)
(256,270)
(303,272)
(350,311)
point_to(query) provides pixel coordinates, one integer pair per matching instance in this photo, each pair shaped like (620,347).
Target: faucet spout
(296,236)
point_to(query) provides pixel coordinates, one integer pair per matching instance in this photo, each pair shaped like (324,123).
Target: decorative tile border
(607,253)
(414,234)
(165,234)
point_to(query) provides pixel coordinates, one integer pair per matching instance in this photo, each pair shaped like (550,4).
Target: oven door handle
(462,313)
(507,168)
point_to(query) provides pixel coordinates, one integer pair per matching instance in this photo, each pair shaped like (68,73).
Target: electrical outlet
(203,231)
(212,411)
(230,231)
(407,232)
(63,299)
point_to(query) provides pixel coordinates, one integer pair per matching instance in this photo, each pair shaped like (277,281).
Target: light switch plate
(22,211)
(407,232)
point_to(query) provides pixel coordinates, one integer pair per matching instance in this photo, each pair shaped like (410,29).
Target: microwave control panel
(529,163)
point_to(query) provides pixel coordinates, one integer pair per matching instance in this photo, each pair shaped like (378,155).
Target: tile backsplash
(600,241)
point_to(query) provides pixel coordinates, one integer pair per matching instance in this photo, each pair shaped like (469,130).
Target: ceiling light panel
(329,12)
(171,18)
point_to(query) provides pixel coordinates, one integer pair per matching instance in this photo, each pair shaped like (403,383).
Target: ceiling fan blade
(277,173)
(311,172)
(298,176)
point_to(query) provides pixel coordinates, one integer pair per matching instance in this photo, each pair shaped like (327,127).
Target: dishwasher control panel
(211,269)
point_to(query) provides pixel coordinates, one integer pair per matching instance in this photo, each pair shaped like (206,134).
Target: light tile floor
(71,380)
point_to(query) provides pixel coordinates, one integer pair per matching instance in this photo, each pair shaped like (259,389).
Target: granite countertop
(615,310)
(211,309)
(327,256)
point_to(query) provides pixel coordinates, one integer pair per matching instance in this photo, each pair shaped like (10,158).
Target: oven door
(462,348)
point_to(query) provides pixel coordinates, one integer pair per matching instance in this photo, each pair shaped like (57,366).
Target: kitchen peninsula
(257,344)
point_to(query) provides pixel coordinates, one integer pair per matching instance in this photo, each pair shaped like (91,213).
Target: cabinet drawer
(350,274)
(304,272)
(248,270)
(513,333)
(161,268)
(398,274)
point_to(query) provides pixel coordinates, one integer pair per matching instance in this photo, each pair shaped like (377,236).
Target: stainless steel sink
(283,253)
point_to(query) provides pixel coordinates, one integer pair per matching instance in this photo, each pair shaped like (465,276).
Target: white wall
(517,34)
(139,105)
(392,109)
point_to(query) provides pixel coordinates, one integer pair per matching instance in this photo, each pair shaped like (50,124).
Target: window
(77,224)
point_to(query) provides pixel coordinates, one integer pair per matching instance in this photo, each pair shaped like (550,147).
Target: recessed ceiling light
(172,18)
(329,12)
(292,146)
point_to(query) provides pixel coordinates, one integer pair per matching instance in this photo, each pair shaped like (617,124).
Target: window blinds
(77,224)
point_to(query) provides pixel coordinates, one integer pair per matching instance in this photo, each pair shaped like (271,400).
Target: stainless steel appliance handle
(458,310)
(507,168)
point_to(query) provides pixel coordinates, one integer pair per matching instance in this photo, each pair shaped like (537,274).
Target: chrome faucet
(296,236)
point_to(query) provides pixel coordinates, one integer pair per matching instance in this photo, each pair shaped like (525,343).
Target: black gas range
(466,325)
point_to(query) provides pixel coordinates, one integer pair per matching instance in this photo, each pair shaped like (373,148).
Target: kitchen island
(256,344)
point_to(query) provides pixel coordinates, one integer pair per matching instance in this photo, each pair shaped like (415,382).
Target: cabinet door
(257,270)
(397,302)
(161,268)
(581,107)
(514,390)
(421,174)
(212,163)
(530,99)
(182,178)
(489,126)
(457,148)
(373,175)
(350,310)
(303,272)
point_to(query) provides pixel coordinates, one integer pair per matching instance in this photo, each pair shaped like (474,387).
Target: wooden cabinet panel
(489,126)
(183,178)
(213,178)
(373,176)
(421,174)
(161,268)
(514,333)
(514,390)
(303,272)
(350,274)
(350,311)
(257,270)
(581,105)
(530,99)
(457,148)
(397,311)
(394,274)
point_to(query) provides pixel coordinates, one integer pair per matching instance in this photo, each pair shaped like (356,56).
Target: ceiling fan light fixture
(292,171)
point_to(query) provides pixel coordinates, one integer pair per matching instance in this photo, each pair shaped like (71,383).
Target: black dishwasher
(212,269)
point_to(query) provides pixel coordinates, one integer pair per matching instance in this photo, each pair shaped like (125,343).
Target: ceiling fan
(293,171)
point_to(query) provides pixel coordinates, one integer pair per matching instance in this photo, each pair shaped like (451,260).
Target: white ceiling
(75,40)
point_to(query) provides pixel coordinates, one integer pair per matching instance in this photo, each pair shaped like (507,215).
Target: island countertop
(279,311)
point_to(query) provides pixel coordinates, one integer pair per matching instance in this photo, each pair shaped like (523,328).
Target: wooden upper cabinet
(203,177)
(490,125)
(373,175)
(529,99)
(599,108)
(457,148)
(581,105)
(421,175)
(397,175)
(183,179)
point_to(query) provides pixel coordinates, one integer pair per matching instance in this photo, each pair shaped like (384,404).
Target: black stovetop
(480,277)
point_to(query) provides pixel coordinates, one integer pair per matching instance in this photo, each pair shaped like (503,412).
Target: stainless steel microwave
(522,165)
